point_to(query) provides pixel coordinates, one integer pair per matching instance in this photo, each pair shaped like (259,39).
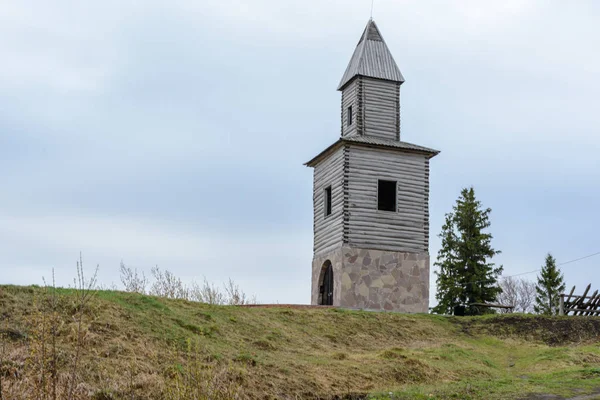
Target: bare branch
(132,281)
(168,285)
(206,293)
(519,293)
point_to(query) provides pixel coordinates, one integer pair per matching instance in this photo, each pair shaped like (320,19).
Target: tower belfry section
(371,195)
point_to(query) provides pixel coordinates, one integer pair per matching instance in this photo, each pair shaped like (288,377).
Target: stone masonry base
(375,279)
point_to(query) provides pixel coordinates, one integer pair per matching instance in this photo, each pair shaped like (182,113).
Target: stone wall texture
(375,279)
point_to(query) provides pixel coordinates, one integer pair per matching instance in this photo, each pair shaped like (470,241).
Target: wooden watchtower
(371,195)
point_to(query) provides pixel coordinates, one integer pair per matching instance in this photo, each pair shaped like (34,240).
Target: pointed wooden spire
(372,58)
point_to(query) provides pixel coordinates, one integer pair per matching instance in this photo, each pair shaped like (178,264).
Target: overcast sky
(173,133)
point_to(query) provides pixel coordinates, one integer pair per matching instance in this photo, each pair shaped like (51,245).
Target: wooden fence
(583,305)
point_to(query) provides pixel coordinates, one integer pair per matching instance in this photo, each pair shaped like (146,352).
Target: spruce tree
(550,285)
(465,274)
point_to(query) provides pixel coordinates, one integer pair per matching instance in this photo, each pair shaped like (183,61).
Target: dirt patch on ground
(294,306)
(552,331)
(540,396)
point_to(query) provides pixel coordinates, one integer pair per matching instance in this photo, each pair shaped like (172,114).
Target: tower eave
(341,88)
(373,142)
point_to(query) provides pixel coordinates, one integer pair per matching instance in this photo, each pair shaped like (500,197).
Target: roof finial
(372,3)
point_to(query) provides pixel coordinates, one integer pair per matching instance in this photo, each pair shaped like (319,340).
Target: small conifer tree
(550,285)
(466,275)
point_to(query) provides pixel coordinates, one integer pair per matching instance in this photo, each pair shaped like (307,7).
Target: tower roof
(372,58)
(368,141)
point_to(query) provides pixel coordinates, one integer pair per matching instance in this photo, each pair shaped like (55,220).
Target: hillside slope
(142,347)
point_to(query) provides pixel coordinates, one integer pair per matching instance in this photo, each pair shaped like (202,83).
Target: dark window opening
(326,288)
(328,201)
(349,115)
(386,195)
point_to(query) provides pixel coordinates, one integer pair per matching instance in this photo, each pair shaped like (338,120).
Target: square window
(386,195)
(327,201)
(349,115)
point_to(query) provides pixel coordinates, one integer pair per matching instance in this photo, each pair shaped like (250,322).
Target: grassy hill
(140,347)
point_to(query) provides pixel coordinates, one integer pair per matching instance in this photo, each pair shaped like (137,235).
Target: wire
(579,259)
(539,269)
(523,273)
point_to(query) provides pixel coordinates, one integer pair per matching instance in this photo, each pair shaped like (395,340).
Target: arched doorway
(326,284)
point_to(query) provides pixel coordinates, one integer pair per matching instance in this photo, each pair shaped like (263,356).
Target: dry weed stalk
(48,373)
(2,355)
(54,322)
(84,291)
(236,297)
(37,361)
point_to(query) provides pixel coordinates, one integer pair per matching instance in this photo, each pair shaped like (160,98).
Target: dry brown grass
(141,347)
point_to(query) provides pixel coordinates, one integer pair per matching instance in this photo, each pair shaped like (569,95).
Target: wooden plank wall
(328,230)
(349,98)
(381,102)
(404,230)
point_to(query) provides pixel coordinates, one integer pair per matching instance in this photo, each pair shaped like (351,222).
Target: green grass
(317,353)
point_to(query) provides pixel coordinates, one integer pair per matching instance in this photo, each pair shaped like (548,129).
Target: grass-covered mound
(129,346)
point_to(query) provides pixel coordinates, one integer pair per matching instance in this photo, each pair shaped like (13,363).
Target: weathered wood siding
(349,98)
(328,231)
(381,108)
(407,229)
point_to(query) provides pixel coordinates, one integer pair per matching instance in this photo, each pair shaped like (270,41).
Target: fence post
(561,308)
